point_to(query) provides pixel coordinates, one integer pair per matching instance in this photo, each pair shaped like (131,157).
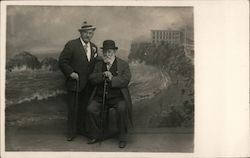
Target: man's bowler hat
(86,26)
(109,44)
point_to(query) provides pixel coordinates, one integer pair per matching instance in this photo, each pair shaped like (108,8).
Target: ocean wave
(165,79)
(48,67)
(50,84)
(32,119)
(137,63)
(148,85)
(36,96)
(25,68)
(22,68)
(148,95)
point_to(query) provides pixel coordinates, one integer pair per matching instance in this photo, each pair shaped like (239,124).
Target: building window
(167,36)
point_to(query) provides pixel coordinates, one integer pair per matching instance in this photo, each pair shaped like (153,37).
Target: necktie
(87,52)
(108,66)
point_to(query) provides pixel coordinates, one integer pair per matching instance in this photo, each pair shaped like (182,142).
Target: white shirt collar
(83,43)
(112,61)
(110,64)
(88,50)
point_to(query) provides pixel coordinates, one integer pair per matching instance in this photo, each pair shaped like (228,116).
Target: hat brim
(109,47)
(88,28)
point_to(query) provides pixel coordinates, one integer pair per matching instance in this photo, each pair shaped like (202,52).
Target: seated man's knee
(121,107)
(89,109)
(92,107)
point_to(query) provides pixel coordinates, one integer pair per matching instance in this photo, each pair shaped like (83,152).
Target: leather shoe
(122,144)
(93,141)
(70,138)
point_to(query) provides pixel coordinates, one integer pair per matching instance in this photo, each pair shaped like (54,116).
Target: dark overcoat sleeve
(123,78)
(97,76)
(65,59)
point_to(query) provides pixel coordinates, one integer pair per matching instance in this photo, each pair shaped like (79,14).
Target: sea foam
(36,96)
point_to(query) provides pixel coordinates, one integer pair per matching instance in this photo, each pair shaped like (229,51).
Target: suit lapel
(119,65)
(92,52)
(82,51)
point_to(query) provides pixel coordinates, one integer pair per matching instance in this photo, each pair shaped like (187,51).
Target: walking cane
(103,109)
(76,104)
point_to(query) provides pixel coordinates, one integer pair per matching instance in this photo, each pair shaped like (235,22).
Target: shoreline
(145,110)
(45,122)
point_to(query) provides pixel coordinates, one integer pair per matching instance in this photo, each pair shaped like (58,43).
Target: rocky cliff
(23,60)
(177,101)
(49,63)
(27,61)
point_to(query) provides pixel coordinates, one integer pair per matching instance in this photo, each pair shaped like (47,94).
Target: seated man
(115,73)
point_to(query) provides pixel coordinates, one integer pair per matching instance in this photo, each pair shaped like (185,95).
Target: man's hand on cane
(108,75)
(74,76)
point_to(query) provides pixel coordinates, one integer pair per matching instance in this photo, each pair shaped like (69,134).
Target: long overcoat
(120,81)
(73,58)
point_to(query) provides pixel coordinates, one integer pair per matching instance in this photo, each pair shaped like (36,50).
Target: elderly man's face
(87,35)
(108,54)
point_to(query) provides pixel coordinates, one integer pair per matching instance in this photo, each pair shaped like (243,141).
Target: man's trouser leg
(121,119)
(84,96)
(93,119)
(72,113)
(81,112)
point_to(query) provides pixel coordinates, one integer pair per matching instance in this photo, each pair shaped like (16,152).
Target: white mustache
(106,59)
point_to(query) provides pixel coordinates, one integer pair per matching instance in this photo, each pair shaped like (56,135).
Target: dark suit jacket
(120,81)
(73,59)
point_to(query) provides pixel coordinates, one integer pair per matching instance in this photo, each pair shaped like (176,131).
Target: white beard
(108,59)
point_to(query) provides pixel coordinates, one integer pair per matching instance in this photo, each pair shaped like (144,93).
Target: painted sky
(41,29)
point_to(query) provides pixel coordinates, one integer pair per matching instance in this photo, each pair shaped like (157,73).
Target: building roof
(167,30)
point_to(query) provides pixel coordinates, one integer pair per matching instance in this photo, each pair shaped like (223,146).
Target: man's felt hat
(109,44)
(86,26)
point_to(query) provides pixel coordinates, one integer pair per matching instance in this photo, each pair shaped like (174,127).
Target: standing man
(116,73)
(77,62)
